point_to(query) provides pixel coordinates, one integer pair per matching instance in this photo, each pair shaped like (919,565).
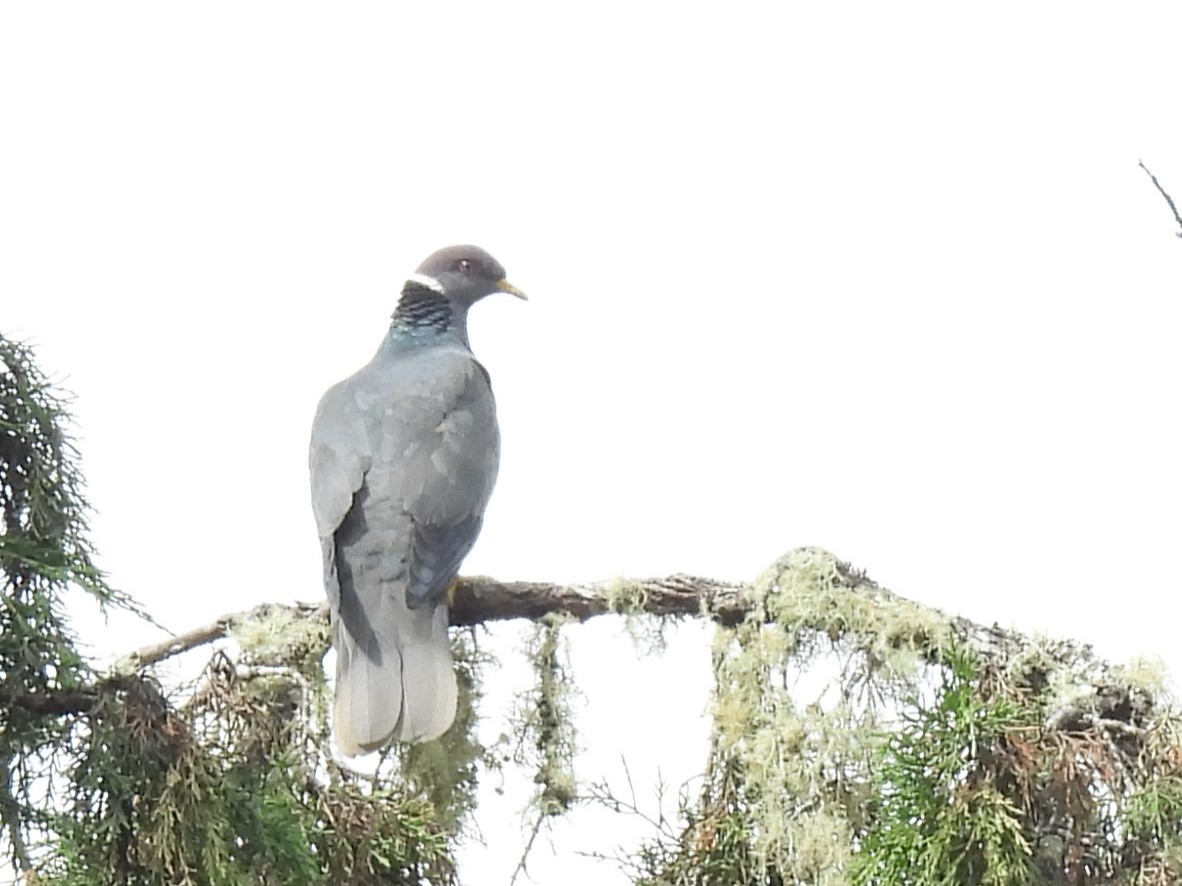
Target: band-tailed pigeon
(403,459)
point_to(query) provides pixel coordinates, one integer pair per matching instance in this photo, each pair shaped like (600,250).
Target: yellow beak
(506,286)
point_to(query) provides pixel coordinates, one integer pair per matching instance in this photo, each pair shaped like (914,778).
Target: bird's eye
(465,266)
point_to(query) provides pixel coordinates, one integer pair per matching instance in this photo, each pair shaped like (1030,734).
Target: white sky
(879,277)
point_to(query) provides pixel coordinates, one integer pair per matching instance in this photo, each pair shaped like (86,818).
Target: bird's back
(403,460)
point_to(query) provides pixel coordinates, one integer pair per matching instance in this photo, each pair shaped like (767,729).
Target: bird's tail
(407,692)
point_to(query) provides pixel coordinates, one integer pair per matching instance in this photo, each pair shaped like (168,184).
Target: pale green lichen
(645,630)
(278,634)
(812,594)
(821,847)
(794,765)
(800,771)
(545,720)
(1146,674)
(1038,664)
(625,597)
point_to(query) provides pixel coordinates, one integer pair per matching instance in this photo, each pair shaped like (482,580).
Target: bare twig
(529,845)
(1169,199)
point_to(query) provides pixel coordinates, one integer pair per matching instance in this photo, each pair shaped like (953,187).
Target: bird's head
(464,274)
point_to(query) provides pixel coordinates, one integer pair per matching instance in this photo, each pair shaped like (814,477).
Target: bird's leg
(449,596)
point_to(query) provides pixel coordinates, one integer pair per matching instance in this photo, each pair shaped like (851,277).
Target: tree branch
(10,815)
(146,656)
(1162,191)
(59,703)
(480,600)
